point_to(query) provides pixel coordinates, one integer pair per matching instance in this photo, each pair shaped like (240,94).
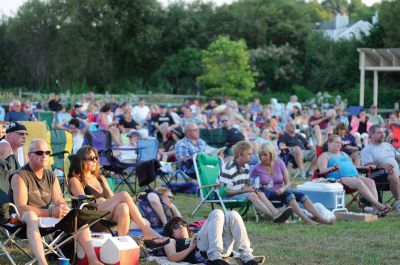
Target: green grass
(340,243)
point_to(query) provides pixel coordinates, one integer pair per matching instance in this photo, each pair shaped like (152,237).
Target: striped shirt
(234,177)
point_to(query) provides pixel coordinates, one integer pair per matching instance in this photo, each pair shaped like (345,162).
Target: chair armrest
(5,211)
(323,175)
(217,185)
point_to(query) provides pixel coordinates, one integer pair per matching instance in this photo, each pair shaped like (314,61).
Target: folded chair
(61,143)
(208,169)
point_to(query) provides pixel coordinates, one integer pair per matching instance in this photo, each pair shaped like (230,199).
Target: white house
(341,29)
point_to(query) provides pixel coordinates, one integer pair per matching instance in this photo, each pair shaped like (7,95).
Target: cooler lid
(320,186)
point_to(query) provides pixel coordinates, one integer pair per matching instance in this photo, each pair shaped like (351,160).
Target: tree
(277,67)
(180,70)
(389,20)
(227,69)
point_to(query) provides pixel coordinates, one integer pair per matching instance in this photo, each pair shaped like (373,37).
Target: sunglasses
(40,153)
(170,197)
(92,158)
(224,120)
(21,133)
(178,225)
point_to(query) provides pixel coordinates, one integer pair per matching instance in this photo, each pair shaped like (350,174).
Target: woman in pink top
(273,170)
(360,127)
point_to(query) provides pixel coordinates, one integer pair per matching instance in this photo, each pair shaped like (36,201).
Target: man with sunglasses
(34,189)
(14,141)
(213,242)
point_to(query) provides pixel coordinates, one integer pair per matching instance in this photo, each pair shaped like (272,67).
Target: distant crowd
(260,142)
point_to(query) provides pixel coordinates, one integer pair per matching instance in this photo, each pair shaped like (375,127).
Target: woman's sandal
(385,210)
(152,243)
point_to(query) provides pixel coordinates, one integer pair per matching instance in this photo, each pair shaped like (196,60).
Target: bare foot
(153,235)
(325,221)
(310,222)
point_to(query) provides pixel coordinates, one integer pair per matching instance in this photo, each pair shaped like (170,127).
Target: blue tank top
(346,167)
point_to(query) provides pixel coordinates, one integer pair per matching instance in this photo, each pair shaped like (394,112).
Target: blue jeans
(286,196)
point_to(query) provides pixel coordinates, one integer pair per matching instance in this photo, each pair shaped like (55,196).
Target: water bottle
(270,185)
(256,183)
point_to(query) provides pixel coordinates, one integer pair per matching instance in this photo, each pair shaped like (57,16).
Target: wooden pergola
(377,60)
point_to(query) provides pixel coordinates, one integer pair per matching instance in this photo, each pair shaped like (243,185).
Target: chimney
(341,21)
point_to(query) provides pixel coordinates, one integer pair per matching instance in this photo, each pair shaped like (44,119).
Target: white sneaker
(397,206)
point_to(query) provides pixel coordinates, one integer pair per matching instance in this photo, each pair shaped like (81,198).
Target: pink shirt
(265,177)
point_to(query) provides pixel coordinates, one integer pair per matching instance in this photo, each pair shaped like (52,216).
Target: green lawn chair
(208,168)
(46,116)
(61,144)
(215,138)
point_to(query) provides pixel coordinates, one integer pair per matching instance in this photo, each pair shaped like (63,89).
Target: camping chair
(208,168)
(36,130)
(68,227)
(215,137)
(101,140)
(61,143)
(47,117)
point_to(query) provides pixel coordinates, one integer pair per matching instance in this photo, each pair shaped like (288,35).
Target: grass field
(341,243)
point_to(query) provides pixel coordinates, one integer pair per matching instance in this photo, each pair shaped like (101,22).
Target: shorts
(241,196)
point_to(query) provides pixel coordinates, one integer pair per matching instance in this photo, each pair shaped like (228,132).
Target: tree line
(138,45)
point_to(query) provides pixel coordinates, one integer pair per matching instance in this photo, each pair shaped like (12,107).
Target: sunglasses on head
(178,225)
(40,153)
(92,158)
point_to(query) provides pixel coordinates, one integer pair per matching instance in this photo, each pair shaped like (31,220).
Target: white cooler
(120,250)
(98,240)
(331,195)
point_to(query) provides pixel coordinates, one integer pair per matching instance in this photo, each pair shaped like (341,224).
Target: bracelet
(50,211)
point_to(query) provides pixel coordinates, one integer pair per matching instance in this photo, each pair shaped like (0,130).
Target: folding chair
(68,227)
(72,223)
(215,137)
(47,117)
(101,140)
(208,169)
(60,142)
(36,130)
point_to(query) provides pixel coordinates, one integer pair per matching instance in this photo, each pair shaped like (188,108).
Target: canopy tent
(377,60)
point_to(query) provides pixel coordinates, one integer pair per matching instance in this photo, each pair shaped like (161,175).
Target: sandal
(385,210)
(152,243)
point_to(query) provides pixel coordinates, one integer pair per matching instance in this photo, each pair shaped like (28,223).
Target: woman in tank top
(344,170)
(85,179)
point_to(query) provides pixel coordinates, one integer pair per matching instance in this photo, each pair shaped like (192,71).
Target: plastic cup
(63,261)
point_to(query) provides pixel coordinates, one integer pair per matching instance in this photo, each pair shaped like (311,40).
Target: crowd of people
(261,142)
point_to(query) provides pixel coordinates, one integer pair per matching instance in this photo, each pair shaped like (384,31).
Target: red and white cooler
(98,240)
(121,250)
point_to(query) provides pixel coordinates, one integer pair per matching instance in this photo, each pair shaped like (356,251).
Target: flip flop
(383,212)
(151,243)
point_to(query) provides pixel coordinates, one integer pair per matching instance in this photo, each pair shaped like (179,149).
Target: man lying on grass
(212,243)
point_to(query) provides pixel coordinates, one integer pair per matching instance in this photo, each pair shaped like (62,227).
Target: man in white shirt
(293,102)
(13,142)
(140,112)
(383,155)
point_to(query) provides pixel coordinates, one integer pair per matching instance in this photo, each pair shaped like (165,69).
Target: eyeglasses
(40,153)
(177,225)
(21,133)
(92,158)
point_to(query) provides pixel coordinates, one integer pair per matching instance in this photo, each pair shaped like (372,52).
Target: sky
(9,7)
